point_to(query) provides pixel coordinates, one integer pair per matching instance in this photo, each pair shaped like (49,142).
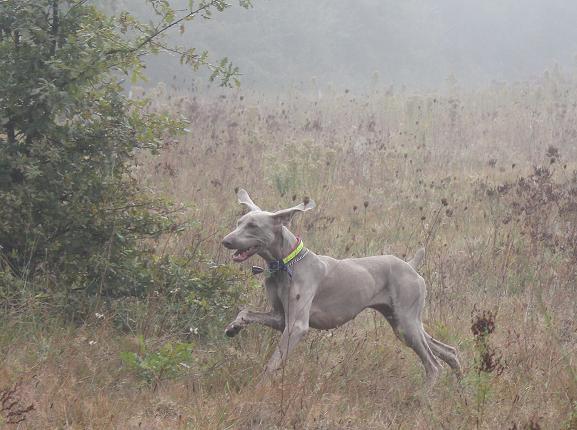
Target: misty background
(366,43)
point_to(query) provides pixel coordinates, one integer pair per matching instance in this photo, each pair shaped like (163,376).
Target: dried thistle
(489,360)
(483,324)
(552,152)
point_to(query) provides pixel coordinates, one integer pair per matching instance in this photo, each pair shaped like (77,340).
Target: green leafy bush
(187,302)
(75,227)
(169,361)
(70,206)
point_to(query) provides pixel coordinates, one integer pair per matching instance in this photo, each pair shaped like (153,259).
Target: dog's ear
(244,199)
(285,216)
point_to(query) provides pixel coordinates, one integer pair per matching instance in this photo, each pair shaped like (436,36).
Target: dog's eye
(251,225)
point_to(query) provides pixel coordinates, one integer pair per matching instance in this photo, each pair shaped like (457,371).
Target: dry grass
(428,169)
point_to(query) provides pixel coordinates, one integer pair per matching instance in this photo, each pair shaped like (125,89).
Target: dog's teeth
(243,254)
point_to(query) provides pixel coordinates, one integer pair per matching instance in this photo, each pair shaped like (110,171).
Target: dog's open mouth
(243,254)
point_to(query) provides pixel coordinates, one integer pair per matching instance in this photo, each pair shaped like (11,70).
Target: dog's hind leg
(445,352)
(409,330)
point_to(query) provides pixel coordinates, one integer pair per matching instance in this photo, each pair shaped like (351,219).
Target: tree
(70,211)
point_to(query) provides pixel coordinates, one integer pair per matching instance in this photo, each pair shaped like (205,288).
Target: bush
(70,206)
(73,220)
(154,366)
(187,302)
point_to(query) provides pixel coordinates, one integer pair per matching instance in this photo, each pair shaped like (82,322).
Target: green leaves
(68,138)
(169,361)
(71,213)
(226,72)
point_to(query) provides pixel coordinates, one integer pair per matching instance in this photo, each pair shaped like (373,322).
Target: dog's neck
(283,244)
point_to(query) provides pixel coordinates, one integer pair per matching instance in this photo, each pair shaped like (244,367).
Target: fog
(363,43)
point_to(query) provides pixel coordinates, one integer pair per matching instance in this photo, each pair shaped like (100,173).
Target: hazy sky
(418,43)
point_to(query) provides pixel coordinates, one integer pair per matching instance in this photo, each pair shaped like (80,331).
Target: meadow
(485,180)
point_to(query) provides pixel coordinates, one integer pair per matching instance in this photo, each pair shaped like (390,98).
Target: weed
(169,361)
(12,409)
(488,361)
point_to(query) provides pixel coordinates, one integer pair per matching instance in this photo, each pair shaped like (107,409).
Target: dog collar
(298,248)
(285,264)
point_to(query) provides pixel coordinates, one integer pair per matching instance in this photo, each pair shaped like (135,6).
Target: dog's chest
(275,292)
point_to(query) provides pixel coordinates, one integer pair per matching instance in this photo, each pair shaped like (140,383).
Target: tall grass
(390,172)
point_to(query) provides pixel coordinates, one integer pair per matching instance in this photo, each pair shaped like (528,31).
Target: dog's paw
(232,329)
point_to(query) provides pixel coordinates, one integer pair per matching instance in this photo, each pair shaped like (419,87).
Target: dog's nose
(227,243)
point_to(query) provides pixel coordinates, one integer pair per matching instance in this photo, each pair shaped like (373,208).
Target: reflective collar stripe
(294,253)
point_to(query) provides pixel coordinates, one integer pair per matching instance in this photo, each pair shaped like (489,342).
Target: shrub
(73,220)
(187,302)
(153,367)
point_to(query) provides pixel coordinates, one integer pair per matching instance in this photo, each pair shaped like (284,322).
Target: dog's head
(258,229)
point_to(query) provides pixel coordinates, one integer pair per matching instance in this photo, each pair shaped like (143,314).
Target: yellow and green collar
(296,250)
(296,255)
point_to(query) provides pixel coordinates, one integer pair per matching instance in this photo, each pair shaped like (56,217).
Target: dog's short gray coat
(324,293)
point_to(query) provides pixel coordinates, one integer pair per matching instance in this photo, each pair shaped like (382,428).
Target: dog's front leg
(245,317)
(297,326)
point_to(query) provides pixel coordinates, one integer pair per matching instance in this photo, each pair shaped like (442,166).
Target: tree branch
(74,6)
(54,27)
(10,132)
(157,33)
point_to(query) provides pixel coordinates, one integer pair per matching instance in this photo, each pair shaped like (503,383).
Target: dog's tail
(417,260)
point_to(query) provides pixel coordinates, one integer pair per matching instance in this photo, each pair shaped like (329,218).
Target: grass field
(485,180)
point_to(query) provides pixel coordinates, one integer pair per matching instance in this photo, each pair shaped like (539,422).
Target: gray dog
(309,290)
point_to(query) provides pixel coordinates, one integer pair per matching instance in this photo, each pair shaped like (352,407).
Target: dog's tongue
(239,256)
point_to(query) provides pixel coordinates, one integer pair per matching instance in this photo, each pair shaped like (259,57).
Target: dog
(307,290)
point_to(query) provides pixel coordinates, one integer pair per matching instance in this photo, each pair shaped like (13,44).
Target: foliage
(488,363)
(154,366)
(546,203)
(73,217)
(187,302)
